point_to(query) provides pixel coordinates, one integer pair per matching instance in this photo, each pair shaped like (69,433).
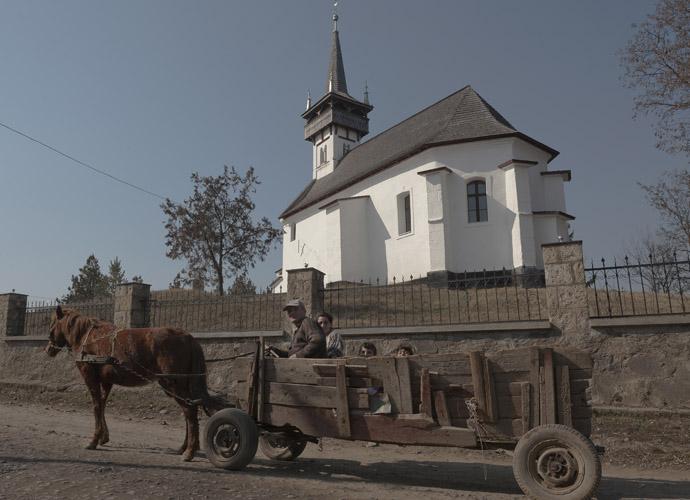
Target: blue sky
(152,91)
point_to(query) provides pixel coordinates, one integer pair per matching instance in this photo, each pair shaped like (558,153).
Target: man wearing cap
(308,340)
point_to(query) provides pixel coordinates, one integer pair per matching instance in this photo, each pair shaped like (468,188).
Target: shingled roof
(463,116)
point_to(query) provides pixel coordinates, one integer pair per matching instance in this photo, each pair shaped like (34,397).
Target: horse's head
(58,333)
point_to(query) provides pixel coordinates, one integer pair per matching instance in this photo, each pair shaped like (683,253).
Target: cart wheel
(231,439)
(556,462)
(277,447)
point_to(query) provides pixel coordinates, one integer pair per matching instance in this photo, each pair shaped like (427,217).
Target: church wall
(364,243)
(478,245)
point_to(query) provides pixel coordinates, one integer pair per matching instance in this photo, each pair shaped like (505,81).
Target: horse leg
(171,390)
(105,435)
(191,416)
(91,379)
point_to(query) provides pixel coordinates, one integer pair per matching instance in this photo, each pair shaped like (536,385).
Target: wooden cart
(534,398)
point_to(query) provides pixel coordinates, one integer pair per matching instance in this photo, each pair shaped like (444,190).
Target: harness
(110,359)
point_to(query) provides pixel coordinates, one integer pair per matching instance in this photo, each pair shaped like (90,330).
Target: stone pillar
(132,305)
(305,284)
(566,293)
(12,314)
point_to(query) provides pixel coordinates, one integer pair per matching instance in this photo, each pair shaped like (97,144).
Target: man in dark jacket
(308,340)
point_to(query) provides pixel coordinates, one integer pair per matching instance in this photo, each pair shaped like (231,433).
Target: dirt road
(42,457)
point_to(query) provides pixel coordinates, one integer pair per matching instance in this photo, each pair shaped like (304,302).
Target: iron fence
(477,297)
(204,312)
(39,313)
(650,287)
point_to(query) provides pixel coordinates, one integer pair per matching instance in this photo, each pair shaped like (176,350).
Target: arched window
(476,202)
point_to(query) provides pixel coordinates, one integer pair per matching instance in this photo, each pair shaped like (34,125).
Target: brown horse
(132,357)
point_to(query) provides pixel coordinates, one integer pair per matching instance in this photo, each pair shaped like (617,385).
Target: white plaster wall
(354,244)
(376,248)
(554,193)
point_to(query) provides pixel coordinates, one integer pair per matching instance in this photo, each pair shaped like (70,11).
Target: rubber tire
(246,434)
(562,436)
(293,450)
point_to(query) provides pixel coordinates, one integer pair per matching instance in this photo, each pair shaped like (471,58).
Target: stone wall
(639,361)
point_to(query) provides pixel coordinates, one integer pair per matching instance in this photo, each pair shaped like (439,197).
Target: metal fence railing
(38,314)
(479,297)
(636,288)
(198,311)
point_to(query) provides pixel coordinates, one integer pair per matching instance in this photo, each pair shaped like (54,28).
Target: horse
(106,355)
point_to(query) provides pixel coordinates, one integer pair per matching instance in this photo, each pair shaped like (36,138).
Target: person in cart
(334,343)
(308,340)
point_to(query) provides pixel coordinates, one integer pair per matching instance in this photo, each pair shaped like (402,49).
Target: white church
(453,188)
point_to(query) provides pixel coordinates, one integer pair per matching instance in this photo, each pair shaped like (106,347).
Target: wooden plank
(399,429)
(329,370)
(564,403)
(514,360)
(383,369)
(314,396)
(402,368)
(414,430)
(261,385)
(525,406)
(549,387)
(442,413)
(542,399)
(534,386)
(290,371)
(516,376)
(350,381)
(457,407)
(425,394)
(477,367)
(489,393)
(252,384)
(342,406)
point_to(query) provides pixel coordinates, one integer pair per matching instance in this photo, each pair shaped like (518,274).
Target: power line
(83,164)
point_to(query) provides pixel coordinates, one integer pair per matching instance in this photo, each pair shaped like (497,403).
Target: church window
(346,148)
(404,213)
(476,202)
(293,231)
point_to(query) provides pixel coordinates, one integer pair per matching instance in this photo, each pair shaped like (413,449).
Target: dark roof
(336,70)
(461,117)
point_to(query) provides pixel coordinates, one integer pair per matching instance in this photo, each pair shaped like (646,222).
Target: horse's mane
(76,319)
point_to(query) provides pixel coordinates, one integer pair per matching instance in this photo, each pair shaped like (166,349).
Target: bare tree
(657,63)
(655,260)
(671,197)
(214,229)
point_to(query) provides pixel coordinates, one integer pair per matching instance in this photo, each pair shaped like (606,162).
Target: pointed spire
(308,99)
(336,70)
(366,92)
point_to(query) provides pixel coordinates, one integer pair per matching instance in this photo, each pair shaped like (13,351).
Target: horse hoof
(91,446)
(187,457)
(103,440)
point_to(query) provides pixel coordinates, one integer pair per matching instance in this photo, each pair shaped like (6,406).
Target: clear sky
(151,91)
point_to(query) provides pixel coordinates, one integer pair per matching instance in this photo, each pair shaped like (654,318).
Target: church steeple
(337,121)
(336,70)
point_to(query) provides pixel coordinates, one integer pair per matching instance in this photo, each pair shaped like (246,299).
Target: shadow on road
(475,477)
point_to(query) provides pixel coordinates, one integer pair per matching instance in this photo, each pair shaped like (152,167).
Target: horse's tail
(199,388)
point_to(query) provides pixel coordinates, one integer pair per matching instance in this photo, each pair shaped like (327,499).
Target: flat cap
(293,303)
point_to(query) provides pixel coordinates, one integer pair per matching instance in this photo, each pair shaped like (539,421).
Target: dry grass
(621,303)
(416,304)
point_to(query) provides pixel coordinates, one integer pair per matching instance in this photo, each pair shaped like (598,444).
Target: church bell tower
(336,122)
